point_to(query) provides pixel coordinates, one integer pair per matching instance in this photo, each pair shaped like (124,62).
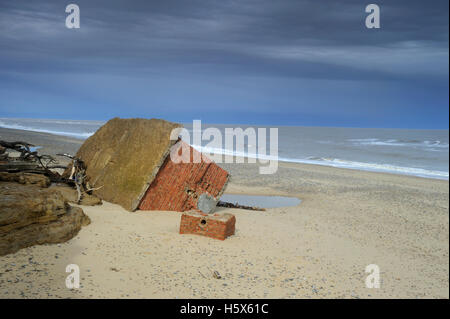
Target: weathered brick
(177,187)
(219,226)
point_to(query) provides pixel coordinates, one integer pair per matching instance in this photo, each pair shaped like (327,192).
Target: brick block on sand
(217,225)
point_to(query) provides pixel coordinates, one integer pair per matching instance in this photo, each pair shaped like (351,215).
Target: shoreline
(11,132)
(347,219)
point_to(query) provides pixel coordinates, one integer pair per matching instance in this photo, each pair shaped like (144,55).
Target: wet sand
(347,220)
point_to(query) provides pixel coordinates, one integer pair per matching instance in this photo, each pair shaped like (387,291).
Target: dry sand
(347,220)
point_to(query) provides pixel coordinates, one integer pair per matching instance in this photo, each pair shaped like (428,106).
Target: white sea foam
(395,142)
(79,135)
(376,167)
(335,162)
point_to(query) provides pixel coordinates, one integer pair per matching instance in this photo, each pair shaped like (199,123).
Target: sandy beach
(347,219)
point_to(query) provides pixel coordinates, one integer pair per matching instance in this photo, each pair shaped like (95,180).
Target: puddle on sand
(260,200)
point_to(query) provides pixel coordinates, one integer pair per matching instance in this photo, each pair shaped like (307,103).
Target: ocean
(423,153)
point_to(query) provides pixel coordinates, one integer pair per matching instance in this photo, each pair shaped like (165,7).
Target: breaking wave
(335,162)
(78,135)
(399,142)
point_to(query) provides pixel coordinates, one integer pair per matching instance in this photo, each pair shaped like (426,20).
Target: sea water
(422,153)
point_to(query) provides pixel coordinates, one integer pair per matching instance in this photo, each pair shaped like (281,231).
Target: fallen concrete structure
(130,160)
(124,156)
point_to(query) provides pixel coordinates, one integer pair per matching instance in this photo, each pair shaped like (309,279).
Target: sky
(299,62)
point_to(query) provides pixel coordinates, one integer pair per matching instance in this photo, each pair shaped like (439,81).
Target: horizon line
(234,123)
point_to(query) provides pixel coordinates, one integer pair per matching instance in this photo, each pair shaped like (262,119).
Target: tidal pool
(261,201)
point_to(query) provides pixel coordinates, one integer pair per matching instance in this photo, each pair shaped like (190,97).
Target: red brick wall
(218,226)
(177,187)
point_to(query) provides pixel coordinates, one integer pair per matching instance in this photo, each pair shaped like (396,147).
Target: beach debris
(186,186)
(29,164)
(27,160)
(201,274)
(125,155)
(236,205)
(78,177)
(206,203)
(24,165)
(131,158)
(215,274)
(22,147)
(218,226)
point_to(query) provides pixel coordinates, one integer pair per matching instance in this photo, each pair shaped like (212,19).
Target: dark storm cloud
(262,36)
(278,40)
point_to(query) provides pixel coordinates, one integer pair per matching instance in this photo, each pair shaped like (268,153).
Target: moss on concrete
(124,156)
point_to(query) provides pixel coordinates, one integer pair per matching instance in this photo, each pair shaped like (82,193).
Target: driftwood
(78,177)
(27,155)
(236,205)
(31,162)
(28,161)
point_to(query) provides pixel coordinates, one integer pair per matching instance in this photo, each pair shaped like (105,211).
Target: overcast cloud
(268,62)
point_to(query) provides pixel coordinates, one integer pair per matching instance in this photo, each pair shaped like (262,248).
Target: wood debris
(29,161)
